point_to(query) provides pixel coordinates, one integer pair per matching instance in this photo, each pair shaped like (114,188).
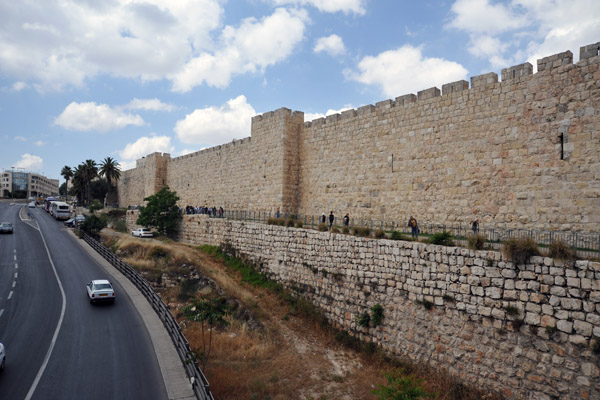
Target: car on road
(142,232)
(6,227)
(2,357)
(75,221)
(100,290)
(31,204)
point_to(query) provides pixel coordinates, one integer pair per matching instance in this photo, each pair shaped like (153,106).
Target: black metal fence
(586,244)
(199,383)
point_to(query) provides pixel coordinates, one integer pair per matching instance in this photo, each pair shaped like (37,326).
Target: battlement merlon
(555,61)
(517,71)
(589,51)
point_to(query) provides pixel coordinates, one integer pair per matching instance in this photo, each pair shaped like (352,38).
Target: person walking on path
(414,227)
(331,219)
(323,218)
(475,227)
(346,219)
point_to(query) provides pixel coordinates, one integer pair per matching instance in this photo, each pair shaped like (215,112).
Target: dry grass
(291,357)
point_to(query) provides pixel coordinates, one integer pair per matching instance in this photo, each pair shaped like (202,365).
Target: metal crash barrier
(199,383)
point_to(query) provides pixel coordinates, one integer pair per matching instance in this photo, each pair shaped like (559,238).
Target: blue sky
(85,79)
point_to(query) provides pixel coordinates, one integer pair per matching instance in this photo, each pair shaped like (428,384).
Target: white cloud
(39,143)
(95,117)
(149,105)
(507,33)
(29,162)
(252,47)
(20,139)
(144,146)
(217,125)
(313,116)
(331,6)
(405,70)
(332,45)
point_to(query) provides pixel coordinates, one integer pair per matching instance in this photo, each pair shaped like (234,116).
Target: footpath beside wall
(547,353)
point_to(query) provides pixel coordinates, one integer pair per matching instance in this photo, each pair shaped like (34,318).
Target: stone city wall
(544,351)
(520,153)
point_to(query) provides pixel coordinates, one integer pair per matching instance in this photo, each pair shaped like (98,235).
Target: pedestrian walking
(414,227)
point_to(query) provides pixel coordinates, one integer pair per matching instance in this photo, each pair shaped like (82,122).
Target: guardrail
(199,382)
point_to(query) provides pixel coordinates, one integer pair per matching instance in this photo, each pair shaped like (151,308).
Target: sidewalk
(176,381)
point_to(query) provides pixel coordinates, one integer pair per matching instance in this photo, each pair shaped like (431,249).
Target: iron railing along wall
(199,382)
(586,244)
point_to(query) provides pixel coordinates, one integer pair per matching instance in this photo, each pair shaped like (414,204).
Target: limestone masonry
(527,331)
(523,152)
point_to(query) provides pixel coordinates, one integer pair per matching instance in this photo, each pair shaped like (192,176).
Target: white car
(100,290)
(142,232)
(2,357)
(31,204)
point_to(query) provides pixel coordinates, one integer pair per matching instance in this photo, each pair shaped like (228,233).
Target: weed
(364,319)
(511,310)
(401,386)
(345,230)
(120,226)
(290,223)
(187,289)
(517,323)
(533,329)
(519,250)
(448,298)
(361,231)
(335,229)
(159,252)
(442,238)
(299,224)
(323,227)
(476,242)
(560,250)
(551,330)
(377,314)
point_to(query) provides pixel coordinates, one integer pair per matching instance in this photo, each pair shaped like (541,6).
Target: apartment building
(26,184)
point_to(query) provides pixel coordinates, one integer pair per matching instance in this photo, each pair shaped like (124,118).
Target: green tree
(89,170)
(161,212)
(111,170)
(93,225)
(210,312)
(62,190)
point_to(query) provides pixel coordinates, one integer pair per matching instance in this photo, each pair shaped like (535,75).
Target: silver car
(2,357)
(6,227)
(100,290)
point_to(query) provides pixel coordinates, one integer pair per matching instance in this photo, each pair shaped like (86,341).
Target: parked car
(6,227)
(142,232)
(31,204)
(70,222)
(2,357)
(100,290)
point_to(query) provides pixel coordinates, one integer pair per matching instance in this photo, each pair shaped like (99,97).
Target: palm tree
(78,184)
(111,170)
(67,173)
(89,170)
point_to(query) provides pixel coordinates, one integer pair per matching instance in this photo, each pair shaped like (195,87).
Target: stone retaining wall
(543,352)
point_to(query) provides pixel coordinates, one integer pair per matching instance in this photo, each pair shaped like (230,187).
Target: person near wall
(475,227)
(323,218)
(346,219)
(278,214)
(331,219)
(414,227)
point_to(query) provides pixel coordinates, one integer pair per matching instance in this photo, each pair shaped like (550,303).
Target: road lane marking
(58,326)
(15,256)
(1,312)
(16,275)
(9,295)
(16,266)
(14,283)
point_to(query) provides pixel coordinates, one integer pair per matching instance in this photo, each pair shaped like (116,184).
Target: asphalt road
(59,346)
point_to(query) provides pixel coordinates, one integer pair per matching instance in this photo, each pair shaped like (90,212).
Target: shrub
(323,227)
(363,232)
(398,236)
(519,250)
(379,234)
(117,213)
(363,319)
(289,223)
(120,226)
(334,229)
(442,238)
(96,205)
(299,224)
(511,310)
(345,230)
(187,289)
(276,221)
(476,242)
(159,252)
(551,330)
(561,251)
(377,314)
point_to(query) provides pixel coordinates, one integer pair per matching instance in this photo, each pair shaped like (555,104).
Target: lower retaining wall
(544,352)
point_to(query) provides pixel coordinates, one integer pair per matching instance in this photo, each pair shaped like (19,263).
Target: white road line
(58,326)
(14,283)
(16,275)
(15,256)
(9,295)
(16,266)
(1,312)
